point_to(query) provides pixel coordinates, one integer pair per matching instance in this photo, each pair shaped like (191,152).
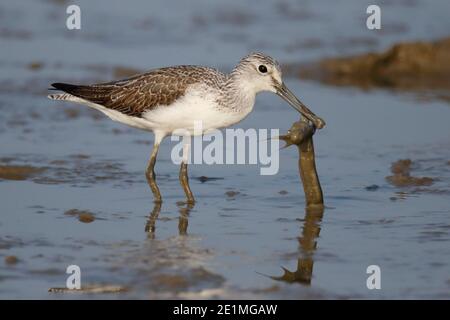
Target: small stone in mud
(86,217)
(232,193)
(83,216)
(10,260)
(402,166)
(402,175)
(18,172)
(283,192)
(203,179)
(372,187)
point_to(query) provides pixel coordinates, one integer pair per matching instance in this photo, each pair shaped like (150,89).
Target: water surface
(230,243)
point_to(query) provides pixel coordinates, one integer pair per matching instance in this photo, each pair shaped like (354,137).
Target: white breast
(197,107)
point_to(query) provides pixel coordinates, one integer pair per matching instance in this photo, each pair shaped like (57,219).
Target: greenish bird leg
(150,174)
(184,179)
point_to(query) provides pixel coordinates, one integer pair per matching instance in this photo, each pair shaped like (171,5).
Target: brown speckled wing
(140,93)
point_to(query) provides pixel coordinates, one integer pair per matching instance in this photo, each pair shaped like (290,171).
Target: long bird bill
(287,95)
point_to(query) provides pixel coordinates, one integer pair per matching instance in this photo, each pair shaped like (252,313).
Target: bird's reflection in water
(184,209)
(183,220)
(151,221)
(308,244)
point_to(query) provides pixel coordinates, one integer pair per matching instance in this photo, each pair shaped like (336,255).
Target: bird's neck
(239,93)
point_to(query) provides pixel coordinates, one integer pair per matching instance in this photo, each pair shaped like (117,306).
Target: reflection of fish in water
(174,100)
(308,244)
(303,274)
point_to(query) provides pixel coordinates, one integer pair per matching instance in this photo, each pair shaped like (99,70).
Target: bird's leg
(184,180)
(150,174)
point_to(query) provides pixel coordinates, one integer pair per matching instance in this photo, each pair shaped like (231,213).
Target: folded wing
(140,93)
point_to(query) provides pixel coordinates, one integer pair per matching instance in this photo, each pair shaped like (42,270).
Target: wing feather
(135,95)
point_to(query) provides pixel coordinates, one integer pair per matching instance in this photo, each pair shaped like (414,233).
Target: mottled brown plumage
(144,92)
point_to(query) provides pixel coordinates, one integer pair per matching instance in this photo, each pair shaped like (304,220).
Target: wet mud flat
(73,190)
(94,209)
(418,67)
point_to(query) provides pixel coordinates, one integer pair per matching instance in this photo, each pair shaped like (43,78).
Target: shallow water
(245,226)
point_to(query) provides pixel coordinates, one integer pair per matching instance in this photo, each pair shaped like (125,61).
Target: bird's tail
(62,96)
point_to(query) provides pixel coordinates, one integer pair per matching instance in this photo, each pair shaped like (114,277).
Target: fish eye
(262,68)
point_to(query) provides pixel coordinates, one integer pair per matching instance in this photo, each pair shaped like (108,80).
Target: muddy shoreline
(406,66)
(72,184)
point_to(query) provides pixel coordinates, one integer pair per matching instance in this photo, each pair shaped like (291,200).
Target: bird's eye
(262,68)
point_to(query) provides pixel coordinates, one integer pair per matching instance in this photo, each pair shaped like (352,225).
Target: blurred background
(72,184)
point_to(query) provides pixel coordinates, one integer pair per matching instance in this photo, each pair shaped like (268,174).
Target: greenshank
(171,100)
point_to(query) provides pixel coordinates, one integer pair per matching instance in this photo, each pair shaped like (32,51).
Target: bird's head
(261,72)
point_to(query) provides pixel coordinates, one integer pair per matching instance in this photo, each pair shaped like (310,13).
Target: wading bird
(171,99)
